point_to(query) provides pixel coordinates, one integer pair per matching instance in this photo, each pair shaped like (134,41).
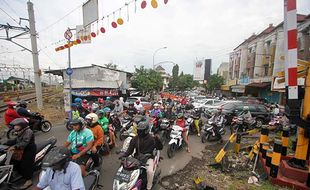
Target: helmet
(77,100)
(156,105)
(94,106)
(106,109)
(100,100)
(92,118)
(100,112)
(23,122)
(245,108)
(79,121)
(84,101)
(180,116)
(130,104)
(57,156)
(219,109)
(108,98)
(137,101)
(73,105)
(143,129)
(23,104)
(11,104)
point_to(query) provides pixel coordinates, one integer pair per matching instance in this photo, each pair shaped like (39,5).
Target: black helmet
(143,129)
(23,104)
(23,122)
(57,156)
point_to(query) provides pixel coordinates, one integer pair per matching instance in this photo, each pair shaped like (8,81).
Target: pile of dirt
(235,176)
(53,109)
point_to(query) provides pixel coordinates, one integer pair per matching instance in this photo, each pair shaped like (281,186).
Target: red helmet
(137,101)
(11,103)
(100,100)
(84,101)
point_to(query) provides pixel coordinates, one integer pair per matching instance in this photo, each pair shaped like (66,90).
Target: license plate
(123,176)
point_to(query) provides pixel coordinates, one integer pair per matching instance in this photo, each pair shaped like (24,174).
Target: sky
(190,29)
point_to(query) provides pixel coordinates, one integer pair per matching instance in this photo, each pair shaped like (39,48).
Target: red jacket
(9,115)
(183,101)
(180,122)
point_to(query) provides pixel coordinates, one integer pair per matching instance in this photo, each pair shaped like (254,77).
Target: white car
(206,103)
(214,107)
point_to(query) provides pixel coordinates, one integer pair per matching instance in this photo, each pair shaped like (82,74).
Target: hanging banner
(90,12)
(95,92)
(81,32)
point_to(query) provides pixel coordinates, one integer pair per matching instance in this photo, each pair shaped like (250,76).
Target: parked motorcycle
(238,124)
(6,169)
(209,132)
(176,140)
(43,125)
(132,173)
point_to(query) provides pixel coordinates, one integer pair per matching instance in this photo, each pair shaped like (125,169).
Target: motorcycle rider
(60,173)
(138,106)
(131,111)
(85,104)
(82,111)
(23,112)
(24,149)
(10,114)
(92,123)
(217,119)
(246,115)
(108,102)
(180,121)
(74,112)
(156,112)
(118,108)
(104,121)
(81,141)
(145,143)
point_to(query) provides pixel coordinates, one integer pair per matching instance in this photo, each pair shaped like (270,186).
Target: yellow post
(263,137)
(285,136)
(276,158)
(269,157)
(238,141)
(265,148)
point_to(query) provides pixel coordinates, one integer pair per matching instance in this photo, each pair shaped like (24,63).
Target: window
(209,102)
(252,108)
(216,101)
(262,108)
(266,67)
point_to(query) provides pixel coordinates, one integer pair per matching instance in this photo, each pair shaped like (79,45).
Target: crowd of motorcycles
(132,172)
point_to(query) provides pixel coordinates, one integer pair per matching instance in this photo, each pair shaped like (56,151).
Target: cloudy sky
(191,29)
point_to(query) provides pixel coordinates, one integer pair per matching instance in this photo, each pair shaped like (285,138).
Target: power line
(11,8)
(9,15)
(49,26)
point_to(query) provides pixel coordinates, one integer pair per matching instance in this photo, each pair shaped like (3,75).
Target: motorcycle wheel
(171,150)
(203,138)
(46,126)
(163,137)
(10,134)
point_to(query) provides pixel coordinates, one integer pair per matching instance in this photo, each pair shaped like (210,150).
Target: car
(205,104)
(259,111)
(143,100)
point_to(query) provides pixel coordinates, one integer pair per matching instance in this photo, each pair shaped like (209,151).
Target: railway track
(30,99)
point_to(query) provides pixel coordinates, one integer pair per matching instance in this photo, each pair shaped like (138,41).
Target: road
(111,162)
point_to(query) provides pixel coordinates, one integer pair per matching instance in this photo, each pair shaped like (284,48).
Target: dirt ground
(235,178)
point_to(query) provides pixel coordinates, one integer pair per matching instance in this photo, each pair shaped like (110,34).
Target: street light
(155,54)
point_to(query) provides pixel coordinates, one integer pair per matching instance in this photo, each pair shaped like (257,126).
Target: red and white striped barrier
(290,45)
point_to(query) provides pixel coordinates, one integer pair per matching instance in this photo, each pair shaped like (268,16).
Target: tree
(147,80)
(110,65)
(175,75)
(186,81)
(215,81)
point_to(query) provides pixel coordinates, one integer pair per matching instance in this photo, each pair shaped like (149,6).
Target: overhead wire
(11,8)
(9,16)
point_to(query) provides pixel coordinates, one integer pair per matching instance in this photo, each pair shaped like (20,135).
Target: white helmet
(156,105)
(93,117)
(245,108)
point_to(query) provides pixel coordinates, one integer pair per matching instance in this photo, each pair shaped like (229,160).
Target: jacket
(98,135)
(24,140)
(145,145)
(23,112)
(9,115)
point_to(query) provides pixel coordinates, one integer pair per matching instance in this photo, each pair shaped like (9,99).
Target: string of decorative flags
(115,23)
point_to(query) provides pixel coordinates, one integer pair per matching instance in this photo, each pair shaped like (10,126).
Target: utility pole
(35,55)
(49,77)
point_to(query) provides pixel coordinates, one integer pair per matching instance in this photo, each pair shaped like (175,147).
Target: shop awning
(259,85)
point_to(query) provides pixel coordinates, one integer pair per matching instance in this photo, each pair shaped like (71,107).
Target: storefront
(237,90)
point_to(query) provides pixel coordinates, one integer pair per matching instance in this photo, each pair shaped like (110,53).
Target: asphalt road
(111,162)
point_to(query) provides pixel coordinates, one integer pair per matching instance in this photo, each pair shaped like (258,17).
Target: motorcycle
(116,123)
(209,132)
(42,125)
(126,123)
(238,124)
(165,128)
(176,140)
(132,173)
(6,169)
